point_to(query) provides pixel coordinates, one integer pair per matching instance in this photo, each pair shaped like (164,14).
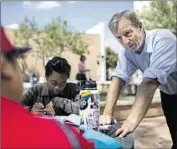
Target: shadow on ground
(152,133)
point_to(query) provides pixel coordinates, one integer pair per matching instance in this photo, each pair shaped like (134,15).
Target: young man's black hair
(59,65)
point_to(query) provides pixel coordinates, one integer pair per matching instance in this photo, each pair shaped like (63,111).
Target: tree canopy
(54,39)
(111,58)
(160,14)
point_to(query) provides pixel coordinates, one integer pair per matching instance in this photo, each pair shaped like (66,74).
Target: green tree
(27,29)
(52,40)
(111,58)
(58,39)
(111,61)
(160,14)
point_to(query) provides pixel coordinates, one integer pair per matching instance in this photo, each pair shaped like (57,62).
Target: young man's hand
(49,108)
(38,109)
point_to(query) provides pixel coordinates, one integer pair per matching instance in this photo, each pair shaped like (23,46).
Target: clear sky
(80,15)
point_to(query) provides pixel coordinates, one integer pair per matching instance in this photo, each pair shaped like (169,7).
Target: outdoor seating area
(88,74)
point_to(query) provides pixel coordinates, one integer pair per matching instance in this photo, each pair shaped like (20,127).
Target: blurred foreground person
(20,129)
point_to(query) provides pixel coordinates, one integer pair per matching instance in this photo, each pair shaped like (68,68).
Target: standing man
(154,53)
(20,129)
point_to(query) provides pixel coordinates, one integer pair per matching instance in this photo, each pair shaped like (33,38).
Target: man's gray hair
(129,14)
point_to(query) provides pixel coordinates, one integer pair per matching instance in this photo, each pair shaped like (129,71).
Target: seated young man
(19,128)
(56,96)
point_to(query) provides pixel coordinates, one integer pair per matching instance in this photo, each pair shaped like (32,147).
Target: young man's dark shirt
(65,103)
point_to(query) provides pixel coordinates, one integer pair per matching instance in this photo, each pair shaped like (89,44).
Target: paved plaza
(152,133)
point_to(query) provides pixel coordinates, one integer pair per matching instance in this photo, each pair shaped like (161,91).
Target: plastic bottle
(89,106)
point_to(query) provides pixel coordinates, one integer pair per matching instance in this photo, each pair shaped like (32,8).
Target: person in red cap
(20,129)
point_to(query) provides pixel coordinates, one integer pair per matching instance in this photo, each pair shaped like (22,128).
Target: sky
(81,15)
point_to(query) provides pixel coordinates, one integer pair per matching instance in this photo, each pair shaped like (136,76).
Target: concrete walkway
(152,133)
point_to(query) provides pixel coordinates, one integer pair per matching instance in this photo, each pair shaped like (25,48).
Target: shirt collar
(146,49)
(146,42)
(141,50)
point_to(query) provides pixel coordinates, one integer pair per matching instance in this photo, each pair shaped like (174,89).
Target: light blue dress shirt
(158,60)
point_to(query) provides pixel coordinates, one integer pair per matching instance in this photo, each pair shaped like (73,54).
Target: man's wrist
(132,124)
(109,113)
(109,110)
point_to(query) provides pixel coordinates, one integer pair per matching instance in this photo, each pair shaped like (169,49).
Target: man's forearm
(143,100)
(112,96)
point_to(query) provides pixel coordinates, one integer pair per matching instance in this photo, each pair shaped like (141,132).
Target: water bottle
(89,106)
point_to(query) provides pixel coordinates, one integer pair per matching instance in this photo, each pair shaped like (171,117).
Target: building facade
(36,64)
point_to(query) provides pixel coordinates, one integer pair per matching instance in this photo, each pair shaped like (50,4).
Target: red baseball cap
(6,45)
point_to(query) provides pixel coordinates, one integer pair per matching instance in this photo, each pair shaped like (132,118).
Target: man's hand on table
(125,129)
(114,129)
(107,125)
(105,119)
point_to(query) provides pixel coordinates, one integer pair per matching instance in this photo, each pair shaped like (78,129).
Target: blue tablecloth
(101,140)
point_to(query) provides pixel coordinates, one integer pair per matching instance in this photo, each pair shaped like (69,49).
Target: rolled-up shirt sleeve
(163,60)
(124,69)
